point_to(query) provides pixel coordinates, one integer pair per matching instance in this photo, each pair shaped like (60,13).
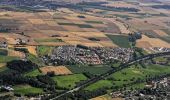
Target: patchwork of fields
(58,28)
(32,37)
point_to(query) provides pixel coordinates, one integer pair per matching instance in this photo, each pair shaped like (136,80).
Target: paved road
(108,73)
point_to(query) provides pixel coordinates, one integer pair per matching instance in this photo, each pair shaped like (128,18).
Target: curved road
(108,73)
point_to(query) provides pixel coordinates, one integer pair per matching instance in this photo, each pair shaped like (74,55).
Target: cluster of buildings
(160,49)
(3,43)
(108,55)
(20,41)
(155,90)
(7,88)
(78,55)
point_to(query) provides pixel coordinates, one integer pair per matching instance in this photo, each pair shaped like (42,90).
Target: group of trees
(15,76)
(21,66)
(79,95)
(161,6)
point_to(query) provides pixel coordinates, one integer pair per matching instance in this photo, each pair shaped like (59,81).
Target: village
(79,55)
(154,90)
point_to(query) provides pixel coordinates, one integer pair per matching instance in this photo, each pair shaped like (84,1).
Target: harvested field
(107,44)
(73,42)
(75,28)
(53,43)
(149,23)
(154,42)
(160,33)
(36,21)
(16,54)
(37,34)
(11,40)
(2,64)
(144,44)
(90,30)
(123,28)
(89,34)
(51,23)
(72,28)
(32,50)
(105,97)
(120,4)
(92,44)
(58,70)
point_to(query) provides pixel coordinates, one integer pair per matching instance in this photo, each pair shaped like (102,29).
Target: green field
(161,59)
(44,50)
(94,22)
(101,84)
(34,59)
(33,73)
(166,38)
(95,69)
(122,16)
(79,25)
(120,40)
(49,40)
(129,75)
(3,52)
(68,81)
(18,9)
(4,59)
(26,89)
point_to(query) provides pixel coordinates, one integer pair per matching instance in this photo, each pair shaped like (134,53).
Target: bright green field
(34,59)
(68,81)
(161,59)
(33,73)
(129,75)
(26,89)
(95,69)
(101,84)
(44,50)
(4,59)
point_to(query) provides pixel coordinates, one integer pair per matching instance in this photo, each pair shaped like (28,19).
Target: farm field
(35,59)
(2,65)
(4,59)
(96,69)
(103,97)
(95,36)
(33,73)
(124,40)
(70,26)
(56,28)
(58,70)
(44,50)
(152,42)
(68,81)
(27,89)
(129,75)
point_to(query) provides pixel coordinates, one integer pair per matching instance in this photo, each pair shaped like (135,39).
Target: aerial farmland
(84,49)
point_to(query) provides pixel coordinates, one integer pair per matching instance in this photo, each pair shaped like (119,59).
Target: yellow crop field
(58,70)
(154,42)
(36,21)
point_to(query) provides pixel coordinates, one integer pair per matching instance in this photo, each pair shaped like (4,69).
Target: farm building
(3,43)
